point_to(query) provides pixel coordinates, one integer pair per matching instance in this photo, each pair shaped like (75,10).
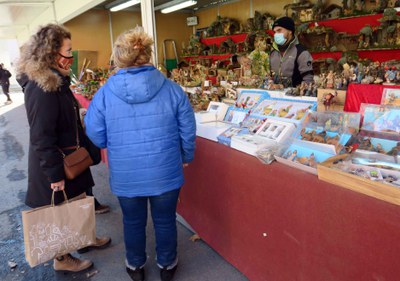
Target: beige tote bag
(52,231)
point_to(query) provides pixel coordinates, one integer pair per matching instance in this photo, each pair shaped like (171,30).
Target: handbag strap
(74,106)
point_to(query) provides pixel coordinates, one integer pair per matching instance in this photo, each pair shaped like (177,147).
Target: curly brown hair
(42,48)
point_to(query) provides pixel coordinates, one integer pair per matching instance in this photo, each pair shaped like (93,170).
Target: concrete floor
(197,261)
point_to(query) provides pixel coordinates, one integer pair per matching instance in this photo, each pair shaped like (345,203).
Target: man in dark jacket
(5,82)
(290,62)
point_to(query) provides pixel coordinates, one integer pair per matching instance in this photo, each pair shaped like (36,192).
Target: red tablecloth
(363,93)
(274,222)
(82,100)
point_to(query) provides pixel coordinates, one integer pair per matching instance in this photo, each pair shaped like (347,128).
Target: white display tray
(216,111)
(205,116)
(211,130)
(276,130)
(250,144)
(272,132)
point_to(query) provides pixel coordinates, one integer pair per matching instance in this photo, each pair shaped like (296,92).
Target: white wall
(63,11)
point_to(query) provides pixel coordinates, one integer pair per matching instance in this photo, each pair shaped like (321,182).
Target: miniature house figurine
(333,11)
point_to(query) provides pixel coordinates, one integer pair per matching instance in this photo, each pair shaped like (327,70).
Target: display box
(379,190)
(250,125)
(216,111)
(329,131)
(211,130)
(272,132)
(250,144)
(226,137)
(235,115)
(323,135)
(380,119)
(331,100)
(302,155)
(253,123)
(248,99)
(391,97)
(287,110)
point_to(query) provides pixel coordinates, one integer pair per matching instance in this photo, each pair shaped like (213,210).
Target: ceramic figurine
(292,156)
(378,148)
(312,162)
(320,137)
(245,63)
(366,144)
(395,150)
(390,75)
(330,80)
(306,136)
(329,100)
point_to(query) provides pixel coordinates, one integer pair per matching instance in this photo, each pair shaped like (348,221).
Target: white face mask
(279,39)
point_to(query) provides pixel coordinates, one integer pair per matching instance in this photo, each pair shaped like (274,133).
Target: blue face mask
(279,38)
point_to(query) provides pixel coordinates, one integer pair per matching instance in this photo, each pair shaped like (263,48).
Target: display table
(273,222)
(363,93)
(82,100)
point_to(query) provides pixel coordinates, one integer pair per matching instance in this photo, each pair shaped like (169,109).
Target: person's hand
(185,165)
(57,186)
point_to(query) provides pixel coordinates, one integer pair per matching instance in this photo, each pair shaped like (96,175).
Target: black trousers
(89,192)
(6,89)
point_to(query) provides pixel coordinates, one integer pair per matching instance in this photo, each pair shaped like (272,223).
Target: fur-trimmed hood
(47,78)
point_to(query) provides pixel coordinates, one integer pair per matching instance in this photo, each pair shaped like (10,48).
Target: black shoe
(167,274)
(137,274)
(102,209)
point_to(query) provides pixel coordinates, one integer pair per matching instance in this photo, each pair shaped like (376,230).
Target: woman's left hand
(57,186)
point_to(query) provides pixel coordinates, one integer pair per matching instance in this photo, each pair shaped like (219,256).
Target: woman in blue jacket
(147,125)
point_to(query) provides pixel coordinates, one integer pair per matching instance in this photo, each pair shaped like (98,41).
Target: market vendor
(290,62)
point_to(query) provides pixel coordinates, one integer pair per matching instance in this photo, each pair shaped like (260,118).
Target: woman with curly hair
(147,124)
(52,111)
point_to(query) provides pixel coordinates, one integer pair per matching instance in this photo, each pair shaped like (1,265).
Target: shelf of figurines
(373,36)
(328,143)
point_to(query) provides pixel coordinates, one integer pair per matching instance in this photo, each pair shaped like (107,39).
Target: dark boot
(167,274)
(137,274)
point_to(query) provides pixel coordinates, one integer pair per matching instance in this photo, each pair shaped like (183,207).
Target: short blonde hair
(132,48)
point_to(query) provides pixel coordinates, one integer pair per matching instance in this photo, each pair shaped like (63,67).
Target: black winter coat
(4,76)
(52,117)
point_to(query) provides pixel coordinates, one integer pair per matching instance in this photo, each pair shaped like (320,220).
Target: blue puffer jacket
(147,125)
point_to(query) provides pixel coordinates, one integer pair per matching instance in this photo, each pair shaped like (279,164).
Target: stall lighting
(124,5)
(179,6)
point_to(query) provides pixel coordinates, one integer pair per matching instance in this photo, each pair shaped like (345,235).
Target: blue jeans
(163,213)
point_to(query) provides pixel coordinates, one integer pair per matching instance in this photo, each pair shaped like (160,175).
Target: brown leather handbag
(78,161)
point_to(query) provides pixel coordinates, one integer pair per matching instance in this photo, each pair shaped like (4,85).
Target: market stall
(279,223)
